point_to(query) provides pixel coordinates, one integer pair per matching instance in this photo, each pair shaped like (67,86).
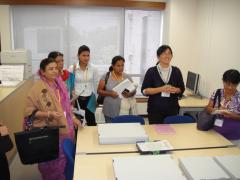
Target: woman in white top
(85,82)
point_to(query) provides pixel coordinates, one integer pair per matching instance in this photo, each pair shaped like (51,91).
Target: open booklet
(124,85)
(220,111)
(154,146)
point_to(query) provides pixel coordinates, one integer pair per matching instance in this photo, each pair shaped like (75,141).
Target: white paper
(125,84)
(218,122)
(164,94)
(155,146)
(11,72)
(9,83)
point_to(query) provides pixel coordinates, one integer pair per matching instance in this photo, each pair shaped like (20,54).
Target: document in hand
(220,111)
(125,84)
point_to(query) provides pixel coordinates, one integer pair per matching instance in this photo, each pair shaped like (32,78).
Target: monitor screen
(192,82)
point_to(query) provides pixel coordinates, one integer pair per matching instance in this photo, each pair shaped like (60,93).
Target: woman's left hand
(76,122)
(175,90)
(3,131)
(127,94)
(227,114)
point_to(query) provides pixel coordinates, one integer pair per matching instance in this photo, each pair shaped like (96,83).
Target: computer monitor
(192,82)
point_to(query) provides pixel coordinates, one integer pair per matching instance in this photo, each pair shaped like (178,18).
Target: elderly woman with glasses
(49,103)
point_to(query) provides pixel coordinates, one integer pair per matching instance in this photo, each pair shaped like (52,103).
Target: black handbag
(205,121)
(38,145)
(100,98)
(5,144)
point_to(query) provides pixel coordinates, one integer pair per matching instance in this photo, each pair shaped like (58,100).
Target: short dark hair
(54,54)
(115,59)
(82,49)
(45,62)
(232,76)
(162,49)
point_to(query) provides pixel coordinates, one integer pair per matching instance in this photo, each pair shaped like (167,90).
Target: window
(142,38)
(134,34)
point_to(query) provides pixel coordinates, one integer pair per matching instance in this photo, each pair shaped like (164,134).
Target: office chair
(128,119)
(69,151)
(178,119)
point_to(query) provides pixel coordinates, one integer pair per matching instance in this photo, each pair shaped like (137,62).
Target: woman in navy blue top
(163,84)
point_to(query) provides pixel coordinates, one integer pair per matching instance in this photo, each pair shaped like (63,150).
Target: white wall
(205,38)
(180,32)
(5,27)
(218,41)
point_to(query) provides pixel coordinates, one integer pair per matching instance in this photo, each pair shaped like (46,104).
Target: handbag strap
(106,79)
(217,97)
(30,119)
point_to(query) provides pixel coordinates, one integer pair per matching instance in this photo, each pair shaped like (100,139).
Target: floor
(18,171)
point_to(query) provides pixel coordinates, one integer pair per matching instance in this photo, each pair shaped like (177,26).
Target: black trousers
(4,169)
(89,116)
(158,118)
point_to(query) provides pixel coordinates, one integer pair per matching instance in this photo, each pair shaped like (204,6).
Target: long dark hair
(162,49)
(115,59)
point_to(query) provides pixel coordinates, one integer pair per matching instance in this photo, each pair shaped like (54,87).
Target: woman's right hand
(114,94)
(55,115)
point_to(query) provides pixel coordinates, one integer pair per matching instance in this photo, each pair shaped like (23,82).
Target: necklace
(118,78)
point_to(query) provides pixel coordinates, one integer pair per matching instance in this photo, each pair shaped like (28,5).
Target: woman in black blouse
(164,85)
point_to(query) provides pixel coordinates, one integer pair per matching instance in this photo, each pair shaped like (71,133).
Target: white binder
(231,164)
(198,168)
(121,133)
(146,167)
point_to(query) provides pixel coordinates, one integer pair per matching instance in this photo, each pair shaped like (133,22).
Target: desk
(187,136)
(192,104)
(187,104)
(92,167)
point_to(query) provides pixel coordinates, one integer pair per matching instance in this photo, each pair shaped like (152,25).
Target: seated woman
(49,103)
(66,76)
(227,122)
(113,105)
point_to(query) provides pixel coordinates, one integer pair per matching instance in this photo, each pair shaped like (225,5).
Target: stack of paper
(150,167)
(124,85)
(121,133)
(11,72)
(9,83)
(231,164)
(163,145)
(197,168)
